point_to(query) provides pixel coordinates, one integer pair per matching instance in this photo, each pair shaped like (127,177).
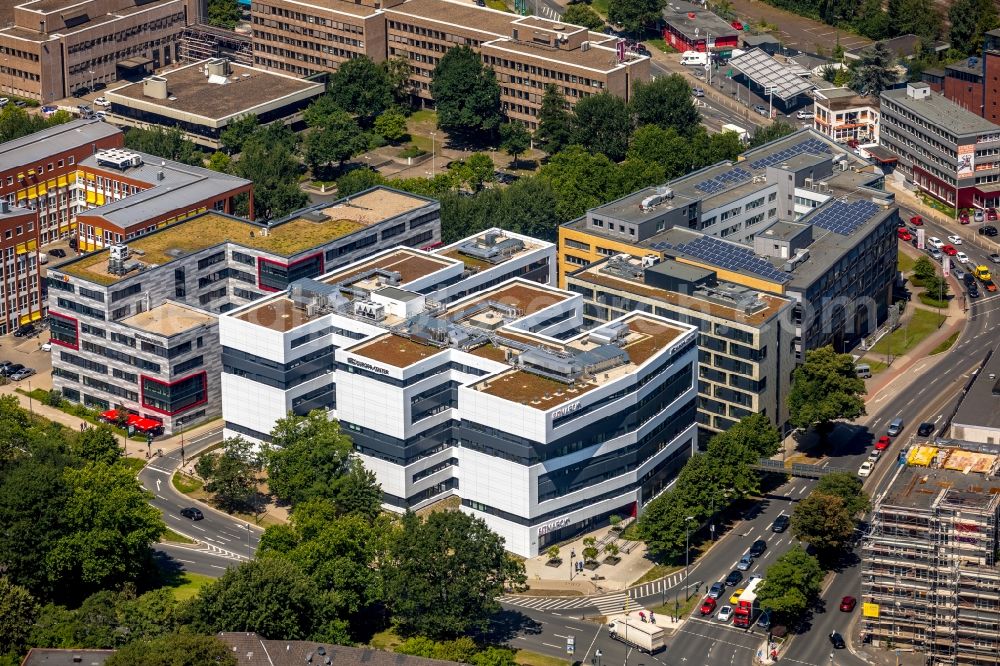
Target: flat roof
(920,487)
(981,405)
(396,350)
(169,319)
(596,58)
(368,208)
(34,149)
(939,110)
(762,68)
(467,16)
(190,91)
(527,297)
(703,23)
(66,657)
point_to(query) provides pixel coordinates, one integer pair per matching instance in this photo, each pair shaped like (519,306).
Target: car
(990,286)
(926,428)
(917,221)
(991,214)
(848,603)
(57,252)
(84,109)
(935,242)
(735,598)
(192,513)
(903,234)
(973,290)
(81,92)
(949,250)
(761,109)
(725,614)
(955,240)
(698,91)
(46,346)
(837,640)
(20,103)
(708,606)
(866,469)
(11,369)
(23,373)
(716,590)
(24,331)
(805,115)
(895,427)
(959,274)
(978,215)
(100,115)
(4,101)
(962,258)
(733,579)
(935,254)
(481,3)
(102,101)
(745,562)
(780,524)
(883,443)
(969,279)
(3,367)
(757,548)
(995,258)
(988,230)
(963,217)
(874,456)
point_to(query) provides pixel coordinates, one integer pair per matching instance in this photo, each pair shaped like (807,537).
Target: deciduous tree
(555,122)
(474,171)
(876,71)
(224,13)
(823,521)
(237,131)
(358,180)
(181,649)
(914,17)
(515,138)
(335,141)
(467,96)
(635,15)
(756,433)
(361,87)
(790,584)
(98,445)
(601,123)
(770,133)
(18,610)
(825,388)
(391,125)
(666,102)
(232,474)
(847,487)
(580,14)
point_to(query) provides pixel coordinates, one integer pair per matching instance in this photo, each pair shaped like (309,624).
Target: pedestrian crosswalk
(548,12)
(603,604)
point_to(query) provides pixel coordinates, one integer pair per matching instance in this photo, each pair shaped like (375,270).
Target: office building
(202,98)
(801,217)
(39,172)
(977,418)
(136,324)
(929,559)
(946,151)
(745,356)
(972,83)
(493,398)
(20,288)
(846,117)
(693,27)
(56,47)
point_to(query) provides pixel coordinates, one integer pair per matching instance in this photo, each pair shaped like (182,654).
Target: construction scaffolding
(930,577)
(201,41)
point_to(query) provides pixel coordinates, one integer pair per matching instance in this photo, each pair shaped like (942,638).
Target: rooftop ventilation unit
(800,255)
(314,296)
(369,310)
(652,201)
(612,334)
(493,247)
(117,158)
(621,265)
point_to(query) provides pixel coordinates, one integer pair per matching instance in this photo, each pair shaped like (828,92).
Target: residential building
(745,352)
(55,47)
(202,98)
(977,418)
(929,558)
(947,151)
(136,324)
(693,27)
(801,217)
(20,289)
(845,116)
(904,47)
(39,172)
(65,657)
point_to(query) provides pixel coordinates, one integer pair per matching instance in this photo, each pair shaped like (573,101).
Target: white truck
(631,630)
(694,58)
(740,131)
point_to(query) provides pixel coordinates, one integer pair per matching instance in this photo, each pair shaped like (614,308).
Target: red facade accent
(142,393)
(76,323)
(262,260)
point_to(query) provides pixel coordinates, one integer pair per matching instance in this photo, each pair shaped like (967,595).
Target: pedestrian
(652,618)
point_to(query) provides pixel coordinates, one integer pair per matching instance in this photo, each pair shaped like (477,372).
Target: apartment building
(845,116)
(135,324)
(950,153)
(929,559)
(745,352)
(39,172)
(801,217)
(494,398)
(20,289)
(55,47)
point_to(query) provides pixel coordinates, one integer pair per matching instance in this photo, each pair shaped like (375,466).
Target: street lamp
(248,541)
(433,154)
(572,564)
(687,554)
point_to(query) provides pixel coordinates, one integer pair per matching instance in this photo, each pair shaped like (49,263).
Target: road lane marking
(199,528)
(551,645)
(216,566)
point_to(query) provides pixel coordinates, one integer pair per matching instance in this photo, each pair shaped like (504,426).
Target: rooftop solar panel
(732,257)
(844,218)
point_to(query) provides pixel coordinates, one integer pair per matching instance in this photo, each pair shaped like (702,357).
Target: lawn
(133,464)
(932,302)
(528,658)
(685,607)
(173,537)
(498,4)
(906,337)
(658,571)
(600,6)
(946,345)
(661,44)
(186,484)
(188,585)
(385,640)
(905,262)
(876,366)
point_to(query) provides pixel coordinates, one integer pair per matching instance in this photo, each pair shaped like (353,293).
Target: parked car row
(15,371)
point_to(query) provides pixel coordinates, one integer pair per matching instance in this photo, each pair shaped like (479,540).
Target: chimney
(159,174)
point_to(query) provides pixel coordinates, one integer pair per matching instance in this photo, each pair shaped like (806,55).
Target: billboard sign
(966,160)
(920,239)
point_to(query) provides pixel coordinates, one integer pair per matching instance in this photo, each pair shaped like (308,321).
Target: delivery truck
(748,608)
(694,58)
(632,630)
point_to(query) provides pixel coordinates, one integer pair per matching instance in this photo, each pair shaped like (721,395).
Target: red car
(736,25)
(963,218)
(949,250)
(904,235)
(708,606)
(917,221)
(991,214)
(847,604)
(882,443)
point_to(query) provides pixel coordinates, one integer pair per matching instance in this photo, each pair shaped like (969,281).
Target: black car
(192,512)
(758,548)
(973,290)
(9,370)
(925,429)
(57,253)
(988,230)
(81,92)
(24,331)
(780,523)
(734,578)
(969,280)
(836,640)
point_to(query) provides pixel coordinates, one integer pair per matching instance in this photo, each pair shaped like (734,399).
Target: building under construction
(930,579)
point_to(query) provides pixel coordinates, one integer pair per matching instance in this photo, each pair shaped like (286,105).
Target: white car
(725,614)
(874,456)
(955,240)
(962,257)
(866,469)
(978,216)
(46,347)
(935,243)
(102,101)
(804,115)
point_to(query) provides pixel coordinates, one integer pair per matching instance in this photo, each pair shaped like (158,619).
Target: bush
(53,398)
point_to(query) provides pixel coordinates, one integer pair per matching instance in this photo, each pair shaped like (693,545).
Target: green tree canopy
(847,487)
(175,650)
(580,180)
(666,102)
(970,20)
(231,474)
(362,88)
(224,13)
(445,573)
(474,171)
(580,14)
(528,206)
(756,433)
(515,138)
(98,445)
(791,584)
(397,69)
(18,610)
(872,21)
(924,268)
(770,133)
(823,521)
(467,96)
(601,123)
(238,131)
(914,17)
(825,388)
(391,125)
(335,141)
(272,167)
(358,180)
(167,143)
(875,72)
(555,121)
(16,122)
(635,15)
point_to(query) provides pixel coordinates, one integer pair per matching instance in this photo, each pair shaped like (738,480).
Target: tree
(397,70)
(98,445)
(924,269)
(756,433)
(224,13)
(358,180)
(555,122)
(474,171)
(16,122)
(635,15)
(580,14)
(528,206)
(391,125)
(274,172)
(362,88)
(770,133)
(723,146)
(110,527)
(876,71)
(237,131)
(848,487)
(175,650)
(230,475)
(601,124)
(872,21)
(166,143)
(335,141)
(467,96)
(444,574)
(580,181)
(970,20)
(914,17)
(310,458)
(666,102)
(825,387)
(665,147)
(790,584)
(18,610)
(823,521)
(515,138)
(553,552)
(220,162)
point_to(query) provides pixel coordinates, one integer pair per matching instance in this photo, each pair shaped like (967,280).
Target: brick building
(20,289)
(691,27)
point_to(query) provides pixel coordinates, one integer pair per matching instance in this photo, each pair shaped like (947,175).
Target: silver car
(23,373)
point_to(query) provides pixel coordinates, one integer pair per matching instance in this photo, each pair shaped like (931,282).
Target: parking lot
(796,31)
(27,351)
